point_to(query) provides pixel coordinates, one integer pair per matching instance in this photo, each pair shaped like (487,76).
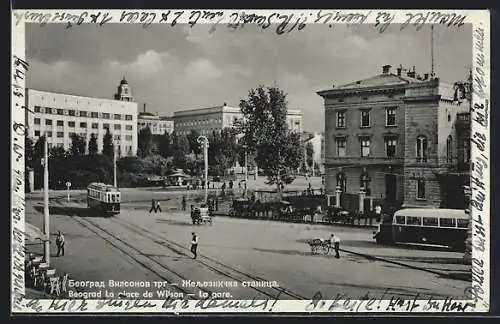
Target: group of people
(155,206)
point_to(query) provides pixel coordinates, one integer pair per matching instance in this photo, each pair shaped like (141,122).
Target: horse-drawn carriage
(240,207)
(320,246)
(200,215)
(339,215)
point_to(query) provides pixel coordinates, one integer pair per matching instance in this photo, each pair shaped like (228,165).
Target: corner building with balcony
(388,138)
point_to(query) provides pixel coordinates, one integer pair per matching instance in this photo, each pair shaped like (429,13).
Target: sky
(172,69)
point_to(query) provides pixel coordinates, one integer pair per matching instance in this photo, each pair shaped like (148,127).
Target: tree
(194,146)
(77,145)
(165,145)
(93,144)
(180,150)
(145,142)
(278,150)
(107,145)
(309,155)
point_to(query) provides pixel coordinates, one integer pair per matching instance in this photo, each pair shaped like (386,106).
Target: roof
(432,212)
(100,185)
(380,80)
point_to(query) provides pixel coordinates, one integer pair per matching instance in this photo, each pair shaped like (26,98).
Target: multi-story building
(389,137)
(60,115)
(207,120)
(157,124)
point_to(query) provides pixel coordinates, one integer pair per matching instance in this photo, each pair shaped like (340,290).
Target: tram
(103,198)
(425,227)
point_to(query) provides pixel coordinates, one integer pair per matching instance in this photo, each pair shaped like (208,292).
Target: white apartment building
(60,115)
(317,140)
(207,120)
(157,124)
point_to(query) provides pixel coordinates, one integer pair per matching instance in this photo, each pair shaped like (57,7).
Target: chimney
(225,104)
(144,107)
(399,69)
(386,69)
(426,76)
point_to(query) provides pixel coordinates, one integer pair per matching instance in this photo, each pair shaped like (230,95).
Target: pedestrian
(378,213)
(230,184)
(183,202)
(153,206)
(158,207)
(60,243)
(194,245)
(336,244)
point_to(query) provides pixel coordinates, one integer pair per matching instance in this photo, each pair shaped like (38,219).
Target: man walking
(194,245)
(60,243)
(153,206)
(378,213)
(158,207)
(183,202)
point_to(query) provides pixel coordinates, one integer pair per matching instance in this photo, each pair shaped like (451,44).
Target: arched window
(449,146)
(421,153)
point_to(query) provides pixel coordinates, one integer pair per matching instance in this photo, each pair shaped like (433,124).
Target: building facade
(60,115)
(157,124)
(207,120)
(389,137)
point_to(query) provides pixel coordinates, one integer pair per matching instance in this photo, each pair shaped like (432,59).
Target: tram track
(213,264)
(133,253)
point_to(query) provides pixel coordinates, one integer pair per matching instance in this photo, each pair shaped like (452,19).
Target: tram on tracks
(425,227)
(103,198)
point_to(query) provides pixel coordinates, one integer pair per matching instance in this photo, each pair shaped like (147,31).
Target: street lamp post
(203,140)
(246,170)
(114,166)
(46,220)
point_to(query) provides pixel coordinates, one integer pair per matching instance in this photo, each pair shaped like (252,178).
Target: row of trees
(263,134)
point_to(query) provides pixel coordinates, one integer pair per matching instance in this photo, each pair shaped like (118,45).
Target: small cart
(200,215)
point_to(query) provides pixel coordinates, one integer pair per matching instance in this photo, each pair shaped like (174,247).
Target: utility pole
(46,218)
(114,165)
(246,170)
(203,140)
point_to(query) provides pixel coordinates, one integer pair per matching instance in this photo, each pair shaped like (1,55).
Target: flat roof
(77,95)
(432,212)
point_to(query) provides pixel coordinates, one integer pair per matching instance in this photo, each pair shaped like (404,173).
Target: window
(84,135)
(447,222)
(94,114)
(128,117)
(60,123)
(420,189)
(340,119)
(413,220)
(462,223)
(37,121)
(365,118)
(341,144)
(390,116)
(118,127)
(449,157)
(37,109)
(390,147)
(60,134)
(71,112)
(117,137)
(48,122)
(71,134)
(83,125)
(118,116)
(430,221)
(105,115)
(95,126)
(49,134)
(48,110)
(128,127)
(400,220)
(365,147)
(83,113)
(71,124)
(128,137)
(421,149)
(37,133)
(60,112)
(105,126)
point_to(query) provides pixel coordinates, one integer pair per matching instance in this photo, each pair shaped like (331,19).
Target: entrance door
(390,187)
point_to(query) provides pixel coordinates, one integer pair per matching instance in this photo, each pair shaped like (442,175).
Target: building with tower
(59,115)
(395,139)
